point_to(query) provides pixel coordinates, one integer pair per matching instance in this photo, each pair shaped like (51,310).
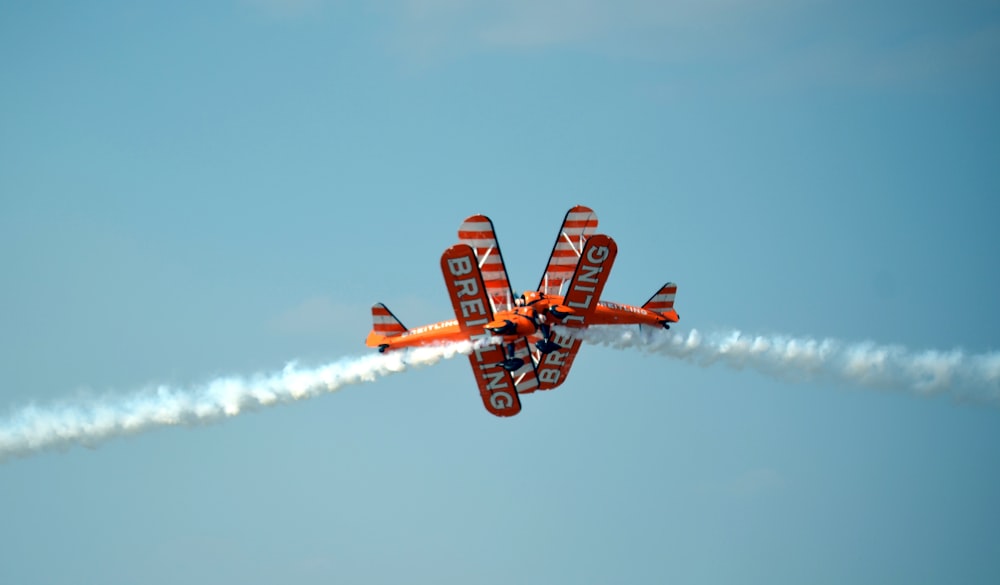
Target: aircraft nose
(499,327)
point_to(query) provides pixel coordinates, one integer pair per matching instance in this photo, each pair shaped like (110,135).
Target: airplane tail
(663,302)
(384,325)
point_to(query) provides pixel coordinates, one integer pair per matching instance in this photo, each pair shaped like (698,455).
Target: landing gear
(383,347)
(511,363)
(508,328)
(545,344)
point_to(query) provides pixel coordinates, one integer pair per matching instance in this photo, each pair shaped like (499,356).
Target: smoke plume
(975,377)
(33,428)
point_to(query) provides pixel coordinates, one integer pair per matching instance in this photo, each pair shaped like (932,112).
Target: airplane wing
(477,232)
(582,295)
(578,225)
(471,302)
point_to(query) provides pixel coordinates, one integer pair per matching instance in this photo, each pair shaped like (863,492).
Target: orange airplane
(567,300)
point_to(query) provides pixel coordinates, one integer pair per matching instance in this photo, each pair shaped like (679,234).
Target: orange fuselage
(522,322)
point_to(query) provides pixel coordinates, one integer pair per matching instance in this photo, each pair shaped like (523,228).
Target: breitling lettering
(501,400)
(550,368)
(432,327)
(460,266)
(581,295)
(475,306)
(473,311)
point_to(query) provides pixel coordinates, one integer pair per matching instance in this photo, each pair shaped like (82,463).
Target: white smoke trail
(974,377)
(32,428)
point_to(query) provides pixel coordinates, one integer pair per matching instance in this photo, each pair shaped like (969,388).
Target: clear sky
(190,190)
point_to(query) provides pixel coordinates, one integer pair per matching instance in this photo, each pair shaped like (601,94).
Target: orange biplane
(502,327)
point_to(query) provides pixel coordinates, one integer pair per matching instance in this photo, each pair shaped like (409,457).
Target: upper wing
(472,309)
(580,222)
(477,232)
(582,296)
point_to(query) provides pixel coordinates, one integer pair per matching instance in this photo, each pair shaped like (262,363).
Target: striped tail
(384,323)
(663,301)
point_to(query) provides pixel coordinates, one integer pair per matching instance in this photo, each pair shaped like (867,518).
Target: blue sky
(191,191)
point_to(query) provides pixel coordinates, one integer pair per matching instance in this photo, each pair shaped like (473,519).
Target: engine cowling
(502,327)
(560,312)
(510,324)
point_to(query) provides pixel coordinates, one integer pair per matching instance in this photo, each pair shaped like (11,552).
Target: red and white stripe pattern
(578,225)
(663,300)
(477,232)
(384,322)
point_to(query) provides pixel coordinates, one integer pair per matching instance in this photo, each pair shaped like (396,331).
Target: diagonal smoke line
(954,372)
(32,428)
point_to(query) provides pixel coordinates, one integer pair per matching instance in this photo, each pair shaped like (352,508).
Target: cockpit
(530,297)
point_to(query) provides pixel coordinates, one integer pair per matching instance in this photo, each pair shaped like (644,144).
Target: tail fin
(384,326)
(384,322)
(663,301)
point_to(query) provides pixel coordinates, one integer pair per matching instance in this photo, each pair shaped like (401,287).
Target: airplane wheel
(512,364)
(547,347)
(382,348)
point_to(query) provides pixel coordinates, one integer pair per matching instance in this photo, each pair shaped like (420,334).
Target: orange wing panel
(472,309)
(588,281)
